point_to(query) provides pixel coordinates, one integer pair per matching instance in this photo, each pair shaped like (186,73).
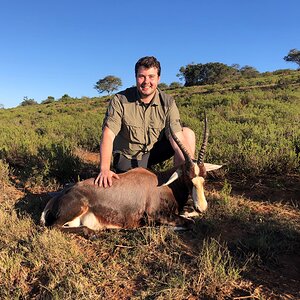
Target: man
(136,128)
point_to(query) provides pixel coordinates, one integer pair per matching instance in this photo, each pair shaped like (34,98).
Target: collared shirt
(139,126)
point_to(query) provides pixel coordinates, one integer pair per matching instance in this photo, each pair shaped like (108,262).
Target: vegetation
(163,86)
(108,84)
(175,85)
(49,99)
(247,119)
(293,56)
(27,101)
(248,72)
(210,73)
(245,247)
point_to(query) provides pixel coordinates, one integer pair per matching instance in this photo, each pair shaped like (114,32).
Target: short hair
(148,62)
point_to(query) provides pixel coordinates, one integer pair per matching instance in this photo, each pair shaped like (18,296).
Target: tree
(293,56)
(108,84)
(210,73)
(1,106)
(163,86)
(65,97)
(175,85)
(249,72)
(27,101)
(191,74)
(49,99)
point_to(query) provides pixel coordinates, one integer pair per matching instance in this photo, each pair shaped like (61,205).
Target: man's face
(147,81)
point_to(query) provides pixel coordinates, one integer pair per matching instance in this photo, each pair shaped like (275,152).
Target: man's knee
(188,133)
(189,136)
(123,164)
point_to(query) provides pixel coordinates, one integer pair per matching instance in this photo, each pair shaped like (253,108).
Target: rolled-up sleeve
(173,120)
(113,116)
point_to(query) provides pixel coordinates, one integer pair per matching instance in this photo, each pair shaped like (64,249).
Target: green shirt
(139,126)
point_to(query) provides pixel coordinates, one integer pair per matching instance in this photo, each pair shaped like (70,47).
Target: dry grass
(245,247)
(235,250)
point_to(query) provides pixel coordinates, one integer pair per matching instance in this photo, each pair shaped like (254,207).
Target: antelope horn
(204,143)
(187,157)
(173,177)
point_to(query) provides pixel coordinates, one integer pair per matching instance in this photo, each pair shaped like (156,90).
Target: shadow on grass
(274,189)
(273,245)
(270,247)
(32,205)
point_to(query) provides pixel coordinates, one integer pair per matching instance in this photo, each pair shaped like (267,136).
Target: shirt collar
(155,100)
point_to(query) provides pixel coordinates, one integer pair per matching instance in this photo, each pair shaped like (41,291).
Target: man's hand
(105,178)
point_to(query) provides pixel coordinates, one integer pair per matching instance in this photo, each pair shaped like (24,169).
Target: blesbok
(137,197)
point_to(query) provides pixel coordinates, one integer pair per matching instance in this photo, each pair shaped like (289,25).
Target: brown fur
(131,201)
(139,196)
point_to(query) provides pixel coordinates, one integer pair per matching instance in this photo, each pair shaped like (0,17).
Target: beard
(146,91)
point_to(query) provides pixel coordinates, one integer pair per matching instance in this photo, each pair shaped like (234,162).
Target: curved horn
(204,143)
(187,157)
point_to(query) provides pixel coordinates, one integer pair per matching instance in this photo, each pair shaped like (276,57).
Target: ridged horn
(204,142)
(187,157)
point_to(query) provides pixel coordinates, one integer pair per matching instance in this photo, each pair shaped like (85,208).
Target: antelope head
(194,170)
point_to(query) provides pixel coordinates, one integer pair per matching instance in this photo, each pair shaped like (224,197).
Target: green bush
(252,131)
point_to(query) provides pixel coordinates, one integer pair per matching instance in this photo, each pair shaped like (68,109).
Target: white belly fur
(89,220)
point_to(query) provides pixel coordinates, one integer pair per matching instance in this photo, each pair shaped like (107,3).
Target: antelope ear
(211,167)
(173,177)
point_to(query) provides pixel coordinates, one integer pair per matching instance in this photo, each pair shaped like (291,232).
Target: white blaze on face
(198,196)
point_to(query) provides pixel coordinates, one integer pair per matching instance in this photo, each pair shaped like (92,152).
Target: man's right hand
(105,178)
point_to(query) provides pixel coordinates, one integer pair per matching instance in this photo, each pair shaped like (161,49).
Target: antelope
(137,197)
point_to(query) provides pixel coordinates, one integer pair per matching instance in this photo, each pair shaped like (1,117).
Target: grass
(4,174)
(146,263)
(248,131)
(233,239)
(237,250)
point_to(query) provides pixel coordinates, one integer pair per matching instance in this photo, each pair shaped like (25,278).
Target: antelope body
(137,197)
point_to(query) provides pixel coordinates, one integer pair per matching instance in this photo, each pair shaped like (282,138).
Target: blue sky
(57,47)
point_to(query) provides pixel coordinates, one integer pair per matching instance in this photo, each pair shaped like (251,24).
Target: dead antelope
(138,196)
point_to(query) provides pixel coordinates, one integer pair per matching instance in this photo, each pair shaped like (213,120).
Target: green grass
(254,132)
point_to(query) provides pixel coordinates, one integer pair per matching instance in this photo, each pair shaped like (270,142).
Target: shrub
(4,173)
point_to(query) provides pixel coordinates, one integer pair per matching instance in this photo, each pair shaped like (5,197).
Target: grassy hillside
(245,247)
(254,127)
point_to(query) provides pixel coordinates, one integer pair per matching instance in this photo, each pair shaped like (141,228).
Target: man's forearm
(106,148)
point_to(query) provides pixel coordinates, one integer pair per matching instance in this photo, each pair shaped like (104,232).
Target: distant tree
(49,99)
(283,72)
(108,84)
(65,97)
(293,56)
(27,101)
(1,106)
(175,85)
(190,74)
(163,86)
(236,66)
(210,73)
(249,72)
